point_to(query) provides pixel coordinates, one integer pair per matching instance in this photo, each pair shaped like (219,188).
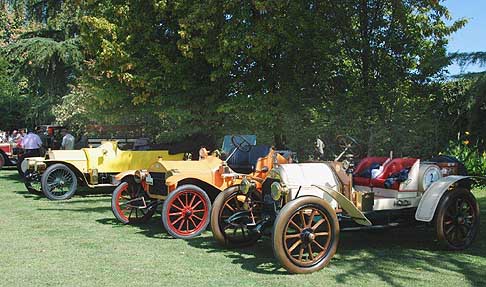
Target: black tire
(239,236)
(19,167)
(132,213)
(294,232)
(192,218)
(54,179)
(3,160)
(457,219)
(33,188)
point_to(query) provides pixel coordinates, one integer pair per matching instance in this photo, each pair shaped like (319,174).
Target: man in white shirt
(32,144)
(319,149)
(67,140)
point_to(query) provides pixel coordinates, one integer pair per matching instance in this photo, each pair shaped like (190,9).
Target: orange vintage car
(186,189)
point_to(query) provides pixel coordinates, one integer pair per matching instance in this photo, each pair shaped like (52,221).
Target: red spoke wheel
(130,204)
(457,219)
(185,213)
(306,235)
(236,233)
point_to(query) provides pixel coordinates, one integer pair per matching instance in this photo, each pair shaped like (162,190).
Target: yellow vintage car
(61,171)
(185,189)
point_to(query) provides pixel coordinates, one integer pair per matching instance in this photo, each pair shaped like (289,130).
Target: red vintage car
(9,154)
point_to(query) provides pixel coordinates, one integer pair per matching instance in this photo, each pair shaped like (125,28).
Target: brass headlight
(31,164)
(246,185)
(40,166)
(276,190)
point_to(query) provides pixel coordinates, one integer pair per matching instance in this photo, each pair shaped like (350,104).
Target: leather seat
(245,162)
(364,164)
(394,166)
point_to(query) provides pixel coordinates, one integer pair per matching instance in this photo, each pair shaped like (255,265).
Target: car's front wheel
(305,235)
(59,182)
(130,205)
(186,211)
(457,219)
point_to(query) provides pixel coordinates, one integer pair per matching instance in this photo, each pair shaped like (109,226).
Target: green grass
(78,243)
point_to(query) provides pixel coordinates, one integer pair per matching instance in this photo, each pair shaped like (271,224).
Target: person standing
(319,149)
(67,140)
(32,144)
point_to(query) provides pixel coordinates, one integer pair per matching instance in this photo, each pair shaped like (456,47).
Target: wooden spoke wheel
(185,213)
(130,204)
(235,233)
(457,219)
(306,234)
(59,182)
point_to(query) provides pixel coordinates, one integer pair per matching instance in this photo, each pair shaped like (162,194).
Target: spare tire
(428,174)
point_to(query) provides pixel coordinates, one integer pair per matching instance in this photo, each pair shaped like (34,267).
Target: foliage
(471,154)
(285,70)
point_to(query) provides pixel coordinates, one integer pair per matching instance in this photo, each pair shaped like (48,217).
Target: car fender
(177,178)
(347,205)
(430,199)
(124,174)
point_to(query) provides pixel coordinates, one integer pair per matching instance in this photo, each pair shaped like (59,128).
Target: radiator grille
(159,186)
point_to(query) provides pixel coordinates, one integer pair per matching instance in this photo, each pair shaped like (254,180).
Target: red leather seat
(362,166)
(393,166)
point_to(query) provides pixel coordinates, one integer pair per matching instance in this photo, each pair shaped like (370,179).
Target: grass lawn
(79,243)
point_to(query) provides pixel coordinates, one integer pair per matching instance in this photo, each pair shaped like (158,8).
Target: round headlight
(31,164)
(245,186)
(276,190)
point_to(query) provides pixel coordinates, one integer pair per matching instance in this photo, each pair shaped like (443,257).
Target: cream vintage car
(305,206)
(59,173)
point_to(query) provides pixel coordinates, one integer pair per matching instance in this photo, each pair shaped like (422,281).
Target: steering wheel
(242,145)
(348,145)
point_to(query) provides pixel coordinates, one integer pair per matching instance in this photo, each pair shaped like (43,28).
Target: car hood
(66,155)
(190,166)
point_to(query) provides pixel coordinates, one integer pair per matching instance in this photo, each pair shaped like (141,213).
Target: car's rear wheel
(130,204)
(306,235)
(186,211)
(59,182)
(3,160)
(236,233)
(457,219)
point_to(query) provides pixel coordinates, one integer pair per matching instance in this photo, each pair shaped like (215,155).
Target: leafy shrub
(468,153)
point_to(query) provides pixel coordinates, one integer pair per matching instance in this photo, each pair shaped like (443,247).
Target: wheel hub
(188,213)
(307,236)
(460,219)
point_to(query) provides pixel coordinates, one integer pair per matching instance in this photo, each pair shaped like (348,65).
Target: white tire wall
(428,173)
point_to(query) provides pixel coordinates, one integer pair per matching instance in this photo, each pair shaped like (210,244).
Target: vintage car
(186,189)
(9,154)
(305,206)
(60,171)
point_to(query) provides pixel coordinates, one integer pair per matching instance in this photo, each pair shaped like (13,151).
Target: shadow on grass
(396,256)
(153,228)
(10,176)
(99,209)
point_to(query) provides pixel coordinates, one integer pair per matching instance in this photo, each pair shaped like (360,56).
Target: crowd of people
(36,139)
(14,136)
